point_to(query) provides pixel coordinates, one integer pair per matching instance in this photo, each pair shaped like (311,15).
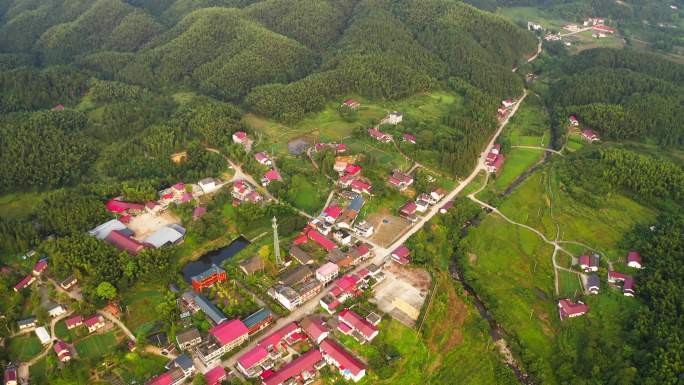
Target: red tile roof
(253,357)
(305,362)
(126,218)
(125,243)
(357,322)
(321,240)
(73,321)
(274,338)
(272,175)
(401,251)
(162,379)
(151,204)
(240,135)
(569,308)
(215,376)
(228,331)
(314,327)
(409,208)
(343,358)
(409,138)
(261,156)
(616,275)
(40,266)
(60,346)
(360,185)
(180,186)
(117,206)
(94,320)
(300,239)
(584,260)
(634,256)
(352,169)
(24,282)
(333,211)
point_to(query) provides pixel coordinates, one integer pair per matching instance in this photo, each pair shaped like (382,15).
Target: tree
(106,290)
(199,379)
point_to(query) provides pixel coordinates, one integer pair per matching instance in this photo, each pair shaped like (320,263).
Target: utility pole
(276,244)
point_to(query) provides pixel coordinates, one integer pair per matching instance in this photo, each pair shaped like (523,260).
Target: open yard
(388,227)
(569,284)
(97,345)
(403,292)
(24,347)
(140,301)
(145,224)
(67,335)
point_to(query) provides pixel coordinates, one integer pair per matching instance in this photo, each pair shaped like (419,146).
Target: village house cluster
(590,264)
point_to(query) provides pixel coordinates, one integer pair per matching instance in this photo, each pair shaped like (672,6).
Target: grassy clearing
(328,125)
(140,367)
(569,284)
(525,14)
(67,335)
(583,41)
(518,160)
(19,205)
(530,125)
(96,346)
(540,202)
(25,347)
(511,269)
(141,300)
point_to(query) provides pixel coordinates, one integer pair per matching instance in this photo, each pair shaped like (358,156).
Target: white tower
(276,243)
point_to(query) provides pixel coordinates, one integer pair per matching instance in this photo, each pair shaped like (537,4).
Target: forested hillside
(622,95)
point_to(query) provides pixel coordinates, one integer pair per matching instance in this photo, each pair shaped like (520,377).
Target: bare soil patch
(145,224)
(403,292)
(388,227)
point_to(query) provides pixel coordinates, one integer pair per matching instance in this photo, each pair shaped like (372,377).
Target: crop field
(518,160)
(141,301)
(569,284)
(530,125)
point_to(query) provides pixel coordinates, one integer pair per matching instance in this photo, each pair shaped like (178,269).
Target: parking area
(403,292)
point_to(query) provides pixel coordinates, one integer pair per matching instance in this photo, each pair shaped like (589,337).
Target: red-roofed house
(230,333)
(446,207)
(73,322)
(315,328)
(263,158)
(303,367)
(119,207)
(352,169)
(273,341)
(349,366)
(249,362)
(603,28)
(351,103)
(215,376)
(436,195)
(590,136)
(494,163)
(508,103)
(94,323)
(240,137)
(400,255)
(408,211)
(634,259)
(59,107)
(10,375)
(198,212)
(123,242)
(573,120)
(409,138)
(359,186)
(29,279)
(40,266)
(162,379)
(319,238)
(360,329)
(300,239)
(589,263)
(496,149)
(567,308)
(378,135)
(331,213)
(62,350)
(270,176)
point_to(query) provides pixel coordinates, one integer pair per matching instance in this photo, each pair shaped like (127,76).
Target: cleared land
(97,345)
(388,227)
(25,347)
(144,225)
(403,292)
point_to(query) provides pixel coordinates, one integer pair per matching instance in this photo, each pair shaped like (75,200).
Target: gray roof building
(296,275)
(210,309)
(593,284)
(102,231)
(301,256)
(168,235)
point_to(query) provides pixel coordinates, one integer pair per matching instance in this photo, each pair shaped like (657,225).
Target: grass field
(518,160)
(530,125)
(24,347)
(511,268)
(541,203)
(67,335)
(139,367)
(97,345)
(569,285)
(583,41)
(141,301)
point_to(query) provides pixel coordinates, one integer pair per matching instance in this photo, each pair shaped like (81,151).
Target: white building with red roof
(349,366)
(29,279)
(250,363)
(321,240)
(270,176)
(240,137)
(302,368)
(353,324)
(10,375)
(573,120)
(508,103)
(331,213)
(590,135)
(409,138)
(223,338)
(94,323)
(589,263)
(603,28)
(634,260)
(379,135)
(215,376)
(62,350)
(408,211)
(401,255)
(263,158)
(73,322)
(315,328)
(351,103)
(40,267)
(361,187)
(570,309)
